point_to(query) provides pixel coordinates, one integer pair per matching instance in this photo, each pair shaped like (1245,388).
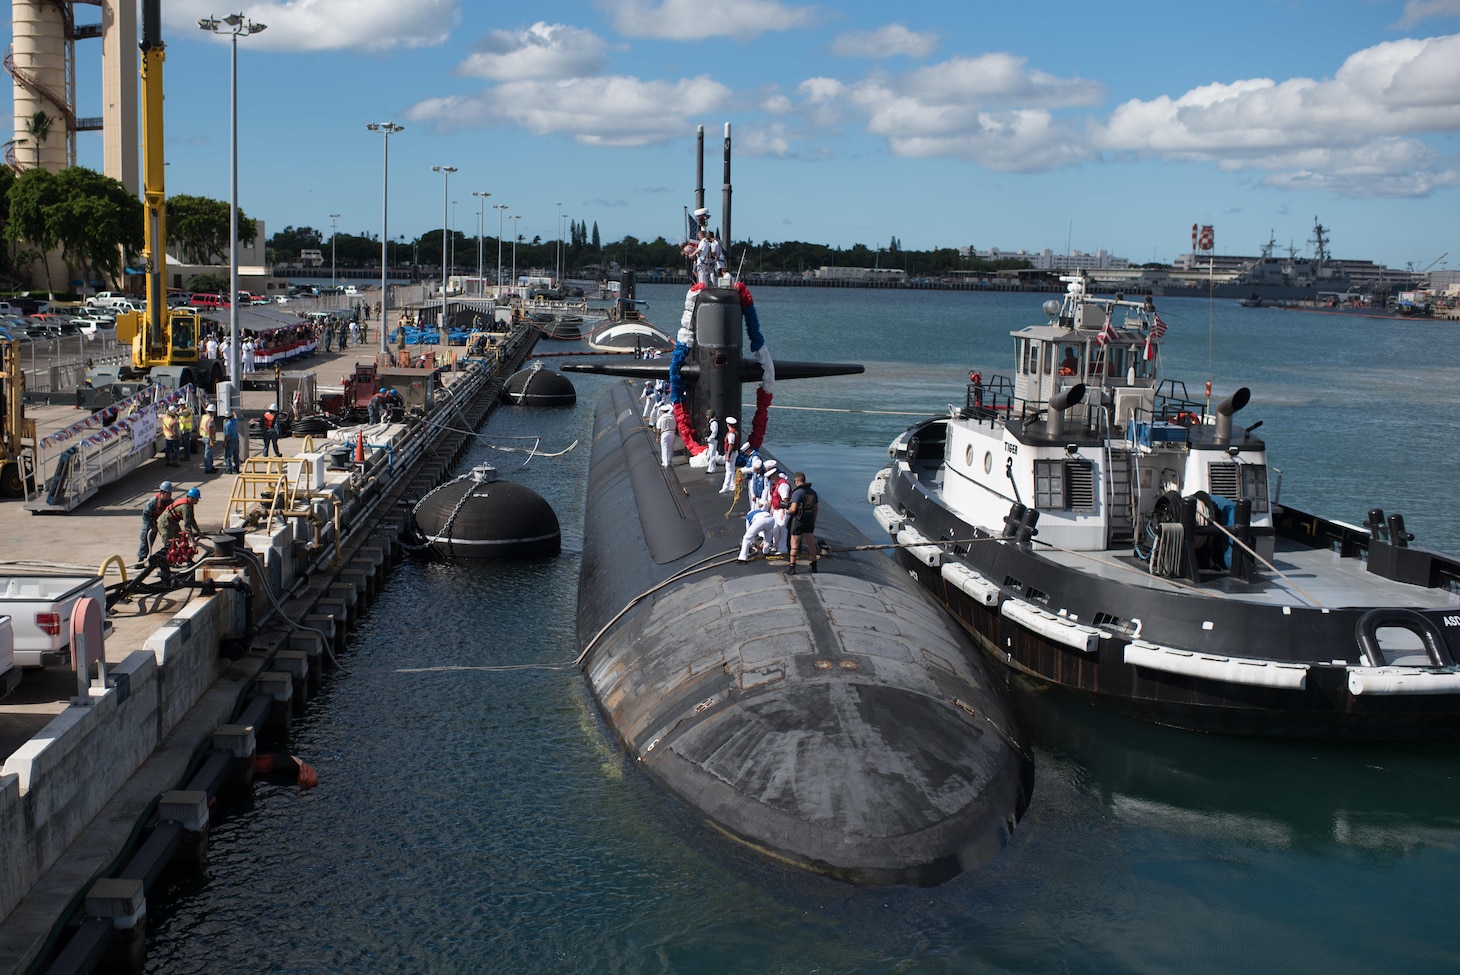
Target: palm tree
(39,126)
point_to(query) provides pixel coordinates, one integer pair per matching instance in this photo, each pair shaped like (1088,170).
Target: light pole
(387,129)
(453,236)
(515,218)
(238,26)
(445,172)
(333,232)
(558,268)
(500,208)
(481,229)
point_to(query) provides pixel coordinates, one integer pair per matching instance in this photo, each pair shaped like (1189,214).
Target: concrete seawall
(75,797)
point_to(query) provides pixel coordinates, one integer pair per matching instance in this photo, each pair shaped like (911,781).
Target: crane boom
(154,186)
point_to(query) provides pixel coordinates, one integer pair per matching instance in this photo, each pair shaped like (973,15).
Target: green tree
(39,127)
(98,222)
(287,243)
(597,243)
(7,254)
(207,284)
(199,227)
(34,198)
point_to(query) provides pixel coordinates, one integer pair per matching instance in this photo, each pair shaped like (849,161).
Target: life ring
(1066,371)
(975,377)
(1185,418)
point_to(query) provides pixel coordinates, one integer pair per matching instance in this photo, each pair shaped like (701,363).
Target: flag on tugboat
(1106,335)
(1158,330)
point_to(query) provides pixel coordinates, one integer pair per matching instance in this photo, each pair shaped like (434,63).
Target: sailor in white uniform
(648,397)
(732,455)
(665,426)
(712,442)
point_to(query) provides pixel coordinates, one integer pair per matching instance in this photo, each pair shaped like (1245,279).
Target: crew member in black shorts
(803,521)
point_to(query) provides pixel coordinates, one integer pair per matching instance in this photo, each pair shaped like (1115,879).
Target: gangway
(73,464)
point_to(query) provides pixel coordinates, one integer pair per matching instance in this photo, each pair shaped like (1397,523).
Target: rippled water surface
(474,814)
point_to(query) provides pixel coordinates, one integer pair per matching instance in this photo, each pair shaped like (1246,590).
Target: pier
(104,785)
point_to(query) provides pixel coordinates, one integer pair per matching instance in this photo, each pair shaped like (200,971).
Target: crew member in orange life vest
(179,517)
(269,430)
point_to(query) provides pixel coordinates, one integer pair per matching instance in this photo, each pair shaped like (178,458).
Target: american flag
(1158,330)
(1106,335)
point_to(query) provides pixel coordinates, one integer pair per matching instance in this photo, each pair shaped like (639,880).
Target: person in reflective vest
(208,430)
(185,432)
(269,430)
(167,420)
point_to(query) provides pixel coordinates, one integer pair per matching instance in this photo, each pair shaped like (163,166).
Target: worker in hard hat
(269,430)
(208,430)
(152,511)
(179,517)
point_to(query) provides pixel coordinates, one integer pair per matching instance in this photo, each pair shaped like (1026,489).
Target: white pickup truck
(111,299)
(9,672)
(40,608)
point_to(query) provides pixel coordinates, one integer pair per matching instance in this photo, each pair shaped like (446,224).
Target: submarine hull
(835,721)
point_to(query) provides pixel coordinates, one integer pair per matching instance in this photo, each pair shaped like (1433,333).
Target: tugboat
(1097,528)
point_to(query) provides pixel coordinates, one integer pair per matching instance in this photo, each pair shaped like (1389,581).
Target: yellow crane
(164,340)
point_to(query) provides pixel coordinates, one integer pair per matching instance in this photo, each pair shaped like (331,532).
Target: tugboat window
(968,456)
(1049,484)
(988,461)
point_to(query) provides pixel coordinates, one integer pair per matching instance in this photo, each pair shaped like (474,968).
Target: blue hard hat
(194,493)
(165,486)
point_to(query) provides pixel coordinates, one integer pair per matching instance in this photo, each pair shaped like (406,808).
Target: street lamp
(481,225)
(558,269)
(238,26)
(515,218)
(333,217)
(387,129)
(453,236)
(500,208)
(445,172)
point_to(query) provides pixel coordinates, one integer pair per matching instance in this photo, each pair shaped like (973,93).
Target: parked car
(109,299)
(89,326)
(179,299)
(209,301)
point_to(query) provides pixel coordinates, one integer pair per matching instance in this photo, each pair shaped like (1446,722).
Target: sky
(941,123)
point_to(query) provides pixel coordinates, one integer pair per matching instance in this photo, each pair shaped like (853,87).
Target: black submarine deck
(836,721)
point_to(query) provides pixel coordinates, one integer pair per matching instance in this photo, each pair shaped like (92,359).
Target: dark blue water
(473,814)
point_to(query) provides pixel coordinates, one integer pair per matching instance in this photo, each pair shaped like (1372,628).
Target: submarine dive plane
(835,721)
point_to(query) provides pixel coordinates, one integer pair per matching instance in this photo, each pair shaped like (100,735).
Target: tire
(11,486)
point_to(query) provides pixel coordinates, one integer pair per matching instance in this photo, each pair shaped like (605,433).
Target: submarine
(834,721)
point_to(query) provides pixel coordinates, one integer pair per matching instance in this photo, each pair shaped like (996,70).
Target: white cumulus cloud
(327,25)
(884,42)
(603,111)
(1357,128)
(541,51)
(694,20)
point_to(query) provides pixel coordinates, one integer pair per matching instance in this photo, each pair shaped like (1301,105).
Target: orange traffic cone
(360,447)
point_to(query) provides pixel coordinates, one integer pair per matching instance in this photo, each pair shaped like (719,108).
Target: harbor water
(473,813)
